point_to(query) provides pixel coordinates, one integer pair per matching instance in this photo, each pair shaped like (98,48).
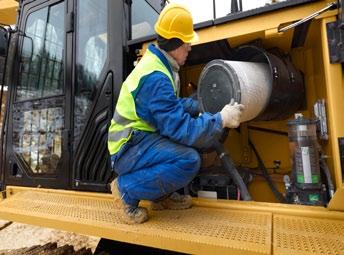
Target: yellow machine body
(8,9)
(221,226)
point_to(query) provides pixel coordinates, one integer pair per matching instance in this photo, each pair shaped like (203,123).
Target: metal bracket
(320,113)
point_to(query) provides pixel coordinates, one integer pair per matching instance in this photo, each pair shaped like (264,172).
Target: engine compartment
(264,140)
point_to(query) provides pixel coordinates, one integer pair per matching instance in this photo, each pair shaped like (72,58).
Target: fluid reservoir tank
(304,152)
(270,87)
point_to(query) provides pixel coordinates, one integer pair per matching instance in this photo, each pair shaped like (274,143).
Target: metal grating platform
(232,228)
(300,235)
(198,230)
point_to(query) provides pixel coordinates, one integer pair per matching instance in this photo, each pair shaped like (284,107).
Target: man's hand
(231,114)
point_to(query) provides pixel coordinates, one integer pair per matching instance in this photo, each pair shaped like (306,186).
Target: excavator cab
(66,62)
(61,84)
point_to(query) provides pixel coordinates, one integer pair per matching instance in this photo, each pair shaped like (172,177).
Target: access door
(38,128)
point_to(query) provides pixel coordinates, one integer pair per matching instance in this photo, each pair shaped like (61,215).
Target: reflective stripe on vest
(119,119)
(125,119)
(116,136)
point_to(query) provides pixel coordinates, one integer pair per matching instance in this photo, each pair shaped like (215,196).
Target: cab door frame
(18,168)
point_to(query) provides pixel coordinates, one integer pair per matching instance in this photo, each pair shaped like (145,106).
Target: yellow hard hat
(175,21)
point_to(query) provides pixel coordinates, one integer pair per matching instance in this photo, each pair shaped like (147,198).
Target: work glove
(231,114)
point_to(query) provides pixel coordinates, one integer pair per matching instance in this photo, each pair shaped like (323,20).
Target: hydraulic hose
(233,172)
(326,171)
(266,175)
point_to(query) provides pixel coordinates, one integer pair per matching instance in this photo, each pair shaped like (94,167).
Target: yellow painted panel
(8,12)
(337,202)
(261,23)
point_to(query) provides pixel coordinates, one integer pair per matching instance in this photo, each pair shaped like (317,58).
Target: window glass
(143,18)
(41,66)
(37,137)
(37,133)
(92,47)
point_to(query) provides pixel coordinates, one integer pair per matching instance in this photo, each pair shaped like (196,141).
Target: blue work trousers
(150,166)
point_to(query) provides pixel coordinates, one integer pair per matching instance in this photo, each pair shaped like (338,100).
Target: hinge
(70,22)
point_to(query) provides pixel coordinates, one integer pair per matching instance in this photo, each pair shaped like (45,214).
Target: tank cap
(300,120)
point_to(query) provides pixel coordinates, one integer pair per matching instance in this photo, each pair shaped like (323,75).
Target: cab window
(41,61)
(91,56)
(143,18)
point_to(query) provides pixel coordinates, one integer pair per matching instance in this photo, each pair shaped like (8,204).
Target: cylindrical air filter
(246,82)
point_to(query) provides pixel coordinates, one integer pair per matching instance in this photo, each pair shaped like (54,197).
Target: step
(207,228)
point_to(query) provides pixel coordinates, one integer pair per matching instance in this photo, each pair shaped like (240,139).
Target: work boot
(174,201)
(128,214)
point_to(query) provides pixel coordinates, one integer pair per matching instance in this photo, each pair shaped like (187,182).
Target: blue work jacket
(173,117)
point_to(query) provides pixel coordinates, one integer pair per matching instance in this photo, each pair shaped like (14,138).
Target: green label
(314,179)
(300,178)
(313,197)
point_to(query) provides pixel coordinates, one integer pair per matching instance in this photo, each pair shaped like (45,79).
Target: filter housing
(269,86)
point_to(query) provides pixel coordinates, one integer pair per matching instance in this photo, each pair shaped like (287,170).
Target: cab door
(38,130)
(98,78)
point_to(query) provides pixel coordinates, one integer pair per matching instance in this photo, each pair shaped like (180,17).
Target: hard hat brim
(193,39)
(190,39)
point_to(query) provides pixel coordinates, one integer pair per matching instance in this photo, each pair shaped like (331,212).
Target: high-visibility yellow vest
(125,119)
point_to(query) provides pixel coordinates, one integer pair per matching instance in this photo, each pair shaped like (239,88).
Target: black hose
(326,171)
(266,175)
(233,172)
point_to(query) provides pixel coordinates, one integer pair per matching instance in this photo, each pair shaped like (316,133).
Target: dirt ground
(18,235)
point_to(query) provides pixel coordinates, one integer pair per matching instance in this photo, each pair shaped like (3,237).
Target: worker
(154,135)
